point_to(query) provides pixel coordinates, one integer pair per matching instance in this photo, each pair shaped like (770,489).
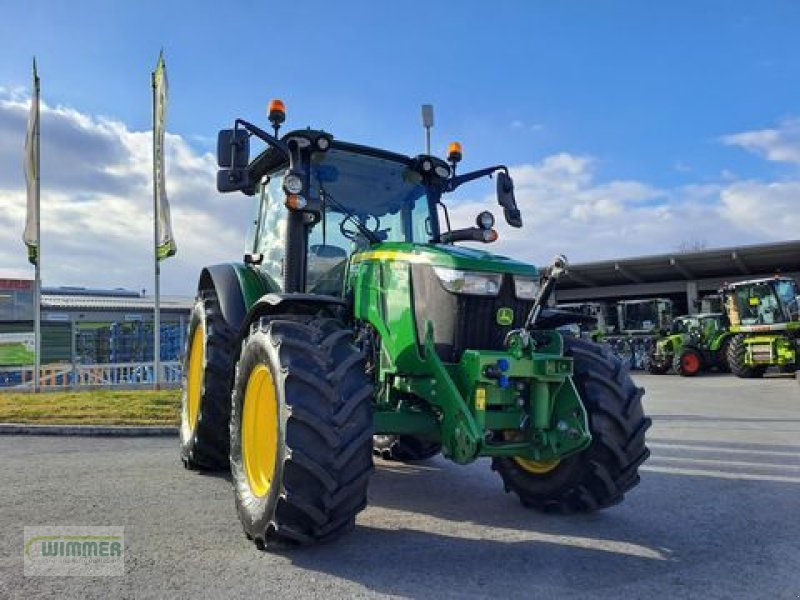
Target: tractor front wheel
(737,360)
(599,476)
(689,363)
(301,431)
(206,394)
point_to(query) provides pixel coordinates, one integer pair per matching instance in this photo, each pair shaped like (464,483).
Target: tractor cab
(322,201)
(644,316)
(762,303)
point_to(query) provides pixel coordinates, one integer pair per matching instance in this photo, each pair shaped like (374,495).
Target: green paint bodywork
(769,350)
(538,416)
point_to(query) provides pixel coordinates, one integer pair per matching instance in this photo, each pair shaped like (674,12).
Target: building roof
(55,301)
(744,261)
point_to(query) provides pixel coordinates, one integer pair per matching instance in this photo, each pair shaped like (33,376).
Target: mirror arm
(454,182)
(265,137)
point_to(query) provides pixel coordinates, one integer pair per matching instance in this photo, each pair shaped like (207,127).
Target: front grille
(462,322)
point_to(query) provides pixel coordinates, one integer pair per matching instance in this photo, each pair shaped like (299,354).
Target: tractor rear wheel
(404,448)
(206,393)
(689,363)
(737,360)
(301,431)
(599,476)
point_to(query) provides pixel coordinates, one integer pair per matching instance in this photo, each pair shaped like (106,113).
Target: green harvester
(693,344)
(765,321)
(355,326)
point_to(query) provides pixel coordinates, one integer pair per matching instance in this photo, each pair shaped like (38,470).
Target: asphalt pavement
(716,516)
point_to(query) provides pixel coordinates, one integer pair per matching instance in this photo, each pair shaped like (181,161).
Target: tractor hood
(446,255)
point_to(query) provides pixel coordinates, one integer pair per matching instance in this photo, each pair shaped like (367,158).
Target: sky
(630,127)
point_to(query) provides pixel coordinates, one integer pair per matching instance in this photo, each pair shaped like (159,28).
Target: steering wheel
(353,233)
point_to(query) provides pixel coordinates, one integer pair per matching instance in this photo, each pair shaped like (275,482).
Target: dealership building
(683,277)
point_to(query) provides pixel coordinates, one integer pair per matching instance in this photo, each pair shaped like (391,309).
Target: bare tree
(691,245)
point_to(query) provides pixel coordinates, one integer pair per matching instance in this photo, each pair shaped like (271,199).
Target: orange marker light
(277,111)
(454,152)
(295,202)
(491,236)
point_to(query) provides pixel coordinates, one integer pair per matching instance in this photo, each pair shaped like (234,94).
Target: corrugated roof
(102,302)
(719,262)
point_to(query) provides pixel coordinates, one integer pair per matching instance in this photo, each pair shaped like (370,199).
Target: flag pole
(157,269)
(37,293)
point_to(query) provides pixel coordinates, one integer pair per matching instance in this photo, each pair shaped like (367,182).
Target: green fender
(238,287)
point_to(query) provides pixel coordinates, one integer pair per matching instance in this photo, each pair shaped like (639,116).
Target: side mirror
(505,198)
(233,155)
(233,149)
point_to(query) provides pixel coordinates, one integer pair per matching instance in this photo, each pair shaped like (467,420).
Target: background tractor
(639,324)
(765,319)
(353,314)
(693,344)
(602,323)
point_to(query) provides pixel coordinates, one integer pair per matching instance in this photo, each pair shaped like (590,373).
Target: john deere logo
(505,316)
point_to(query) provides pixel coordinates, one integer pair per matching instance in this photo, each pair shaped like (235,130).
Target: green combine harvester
(693,344)
(354,314)
(765,320)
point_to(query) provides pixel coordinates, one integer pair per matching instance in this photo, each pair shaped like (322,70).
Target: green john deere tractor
(693,344)
(354,314)
(765,319)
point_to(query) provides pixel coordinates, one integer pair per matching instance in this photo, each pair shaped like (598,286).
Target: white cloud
(97,203)
(567,210)
(780,144)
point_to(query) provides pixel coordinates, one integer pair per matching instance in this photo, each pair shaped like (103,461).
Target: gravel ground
(716,516)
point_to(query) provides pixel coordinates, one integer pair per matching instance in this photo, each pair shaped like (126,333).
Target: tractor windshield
(385,195)
(765,302)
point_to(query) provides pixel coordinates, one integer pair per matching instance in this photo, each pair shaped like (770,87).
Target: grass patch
(93,407)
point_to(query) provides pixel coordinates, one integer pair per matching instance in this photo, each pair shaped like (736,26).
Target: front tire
(301,431)
(599,476)
(689,363)
(205,397)
(737,360)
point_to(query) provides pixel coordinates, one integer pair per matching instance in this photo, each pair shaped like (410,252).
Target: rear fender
(238,287)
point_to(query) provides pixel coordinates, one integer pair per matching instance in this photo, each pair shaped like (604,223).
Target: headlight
(526,288)
(469,282)
(442,171)
(293,184)
(485,220)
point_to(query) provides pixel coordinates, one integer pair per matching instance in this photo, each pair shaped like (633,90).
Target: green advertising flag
(165,244)
(31,167)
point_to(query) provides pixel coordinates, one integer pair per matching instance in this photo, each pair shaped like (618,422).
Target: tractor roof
(737,284)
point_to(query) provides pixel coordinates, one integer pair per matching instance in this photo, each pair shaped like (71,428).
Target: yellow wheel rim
(537,467)
(194,377)
(260,430)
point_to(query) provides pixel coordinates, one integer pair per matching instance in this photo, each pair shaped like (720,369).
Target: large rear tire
(599,476)
(206,393)
(404,448)
(301,431)
(737,356)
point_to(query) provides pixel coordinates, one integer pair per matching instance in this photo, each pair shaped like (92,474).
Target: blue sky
(643,93)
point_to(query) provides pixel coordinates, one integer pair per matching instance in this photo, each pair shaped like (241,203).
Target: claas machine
(356,312)
(765,321)
(694,343)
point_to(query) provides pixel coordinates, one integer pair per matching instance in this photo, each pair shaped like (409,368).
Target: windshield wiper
(326,197)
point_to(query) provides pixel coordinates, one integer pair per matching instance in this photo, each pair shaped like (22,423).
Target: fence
(67,376)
